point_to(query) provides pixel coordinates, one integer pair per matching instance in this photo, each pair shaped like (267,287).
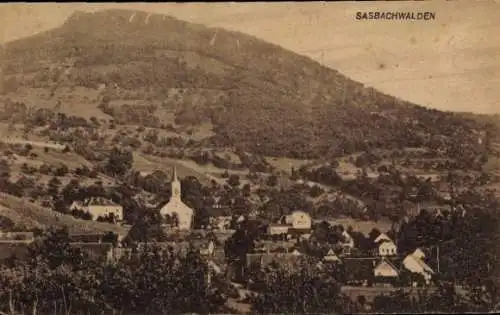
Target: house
(348,240)
(385,269)
(295,224)
(207,249)
(299,220)
(77,205)
(277,229)
(331,257)
(418,253)
(220,218)
(385,248)
(99,207)
(381,237)
(175,208)
(414,262)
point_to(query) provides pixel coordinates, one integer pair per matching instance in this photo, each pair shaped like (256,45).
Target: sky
(450,63)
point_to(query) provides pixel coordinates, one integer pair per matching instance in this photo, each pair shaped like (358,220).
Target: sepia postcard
(249,158)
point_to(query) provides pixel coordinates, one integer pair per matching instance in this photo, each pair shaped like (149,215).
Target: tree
(59,279)
(272,181)
(233,180)
(6,224)
(53,187)
(71,191)
(299,292)
(119,162)
(62,170)
(315,191)
(56,250)
(246,190)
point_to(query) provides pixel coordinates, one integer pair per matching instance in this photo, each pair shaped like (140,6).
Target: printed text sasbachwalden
(425,16)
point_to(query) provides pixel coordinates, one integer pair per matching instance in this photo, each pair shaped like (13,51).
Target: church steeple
(175,185)
(174,174)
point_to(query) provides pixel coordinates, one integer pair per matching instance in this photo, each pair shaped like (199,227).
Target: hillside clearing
(31,216)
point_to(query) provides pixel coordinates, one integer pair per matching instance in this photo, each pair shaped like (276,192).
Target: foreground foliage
(59,279)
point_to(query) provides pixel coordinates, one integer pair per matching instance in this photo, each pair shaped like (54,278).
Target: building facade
(99,207)
(175,208)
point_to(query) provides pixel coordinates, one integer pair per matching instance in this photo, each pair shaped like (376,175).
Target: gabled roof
(381,242)
(380,237)
(418,253)
(421,262)
(388,263)
(346,235)
(99,201)
(331,256)
(77,203)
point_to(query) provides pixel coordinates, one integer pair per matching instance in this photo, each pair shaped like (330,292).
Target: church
(175,208)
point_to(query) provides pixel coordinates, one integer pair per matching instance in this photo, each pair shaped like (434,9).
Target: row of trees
(59,279)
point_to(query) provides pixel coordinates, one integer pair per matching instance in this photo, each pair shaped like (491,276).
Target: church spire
(174,174)
(175,185)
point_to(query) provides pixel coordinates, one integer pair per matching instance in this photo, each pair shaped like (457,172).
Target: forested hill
(258,96)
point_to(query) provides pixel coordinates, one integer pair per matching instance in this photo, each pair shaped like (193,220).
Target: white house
(386,248)
(385,269)
(382,237)
(331,256)
(208,249)
(299,220)
(414,262)
(176,208)
(418,253)
(348,240)
(99,207)
(277,229)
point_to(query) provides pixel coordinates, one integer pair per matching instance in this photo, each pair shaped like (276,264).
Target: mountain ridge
(265,99)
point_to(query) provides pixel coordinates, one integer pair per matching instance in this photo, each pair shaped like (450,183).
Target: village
(375,261)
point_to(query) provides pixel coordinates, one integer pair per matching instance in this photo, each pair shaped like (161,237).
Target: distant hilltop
(42,144)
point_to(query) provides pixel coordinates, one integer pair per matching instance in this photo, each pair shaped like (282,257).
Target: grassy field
(52,157)
(148,163)
(78,101)
(33,216)
(285,164)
